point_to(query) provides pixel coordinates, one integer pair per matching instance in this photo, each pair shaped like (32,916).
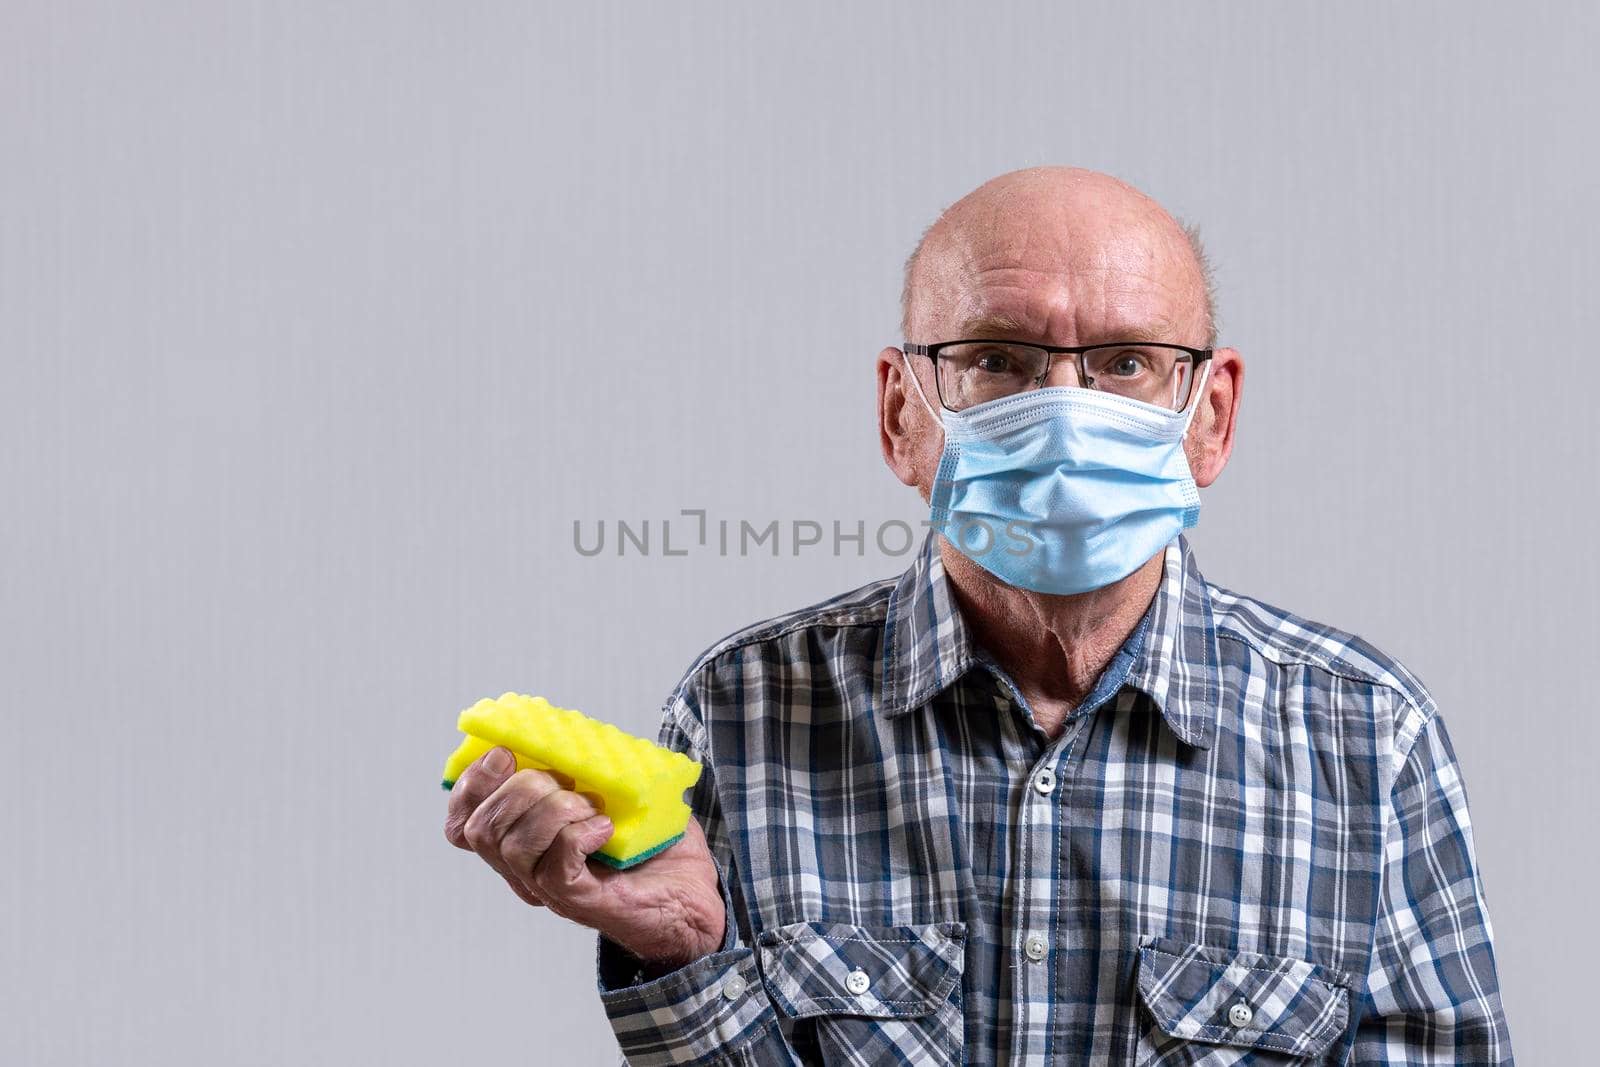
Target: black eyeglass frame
(1197,355)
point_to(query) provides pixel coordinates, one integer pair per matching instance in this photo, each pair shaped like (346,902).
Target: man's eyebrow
(990,325)
(1158,331)
(998,326)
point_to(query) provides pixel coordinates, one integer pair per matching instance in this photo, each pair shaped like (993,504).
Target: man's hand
(533,829)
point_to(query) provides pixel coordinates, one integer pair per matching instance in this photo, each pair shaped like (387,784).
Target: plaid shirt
(1250,843)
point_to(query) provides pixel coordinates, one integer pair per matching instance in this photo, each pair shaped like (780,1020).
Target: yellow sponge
(640,784)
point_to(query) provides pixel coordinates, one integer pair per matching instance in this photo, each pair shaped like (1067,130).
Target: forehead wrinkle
(1101,303)
(1150,291)
(1064,267)
(1031,308)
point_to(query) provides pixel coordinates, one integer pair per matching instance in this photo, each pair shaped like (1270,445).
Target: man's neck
(1053,647)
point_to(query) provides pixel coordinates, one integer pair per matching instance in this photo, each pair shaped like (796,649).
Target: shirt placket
(1032,930)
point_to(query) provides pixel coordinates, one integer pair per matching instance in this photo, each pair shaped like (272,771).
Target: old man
(1048,796)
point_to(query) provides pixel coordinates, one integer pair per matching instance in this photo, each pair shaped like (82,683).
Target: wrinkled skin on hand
(537,833)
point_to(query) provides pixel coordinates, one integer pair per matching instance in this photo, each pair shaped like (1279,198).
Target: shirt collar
(927,644)
(1180,667)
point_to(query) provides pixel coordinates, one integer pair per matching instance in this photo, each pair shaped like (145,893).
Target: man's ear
(1209,442)
(898,417)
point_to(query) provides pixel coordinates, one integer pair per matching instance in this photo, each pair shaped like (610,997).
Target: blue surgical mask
(1063,489)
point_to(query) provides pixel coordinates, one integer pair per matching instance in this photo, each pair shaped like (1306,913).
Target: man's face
(1065,260)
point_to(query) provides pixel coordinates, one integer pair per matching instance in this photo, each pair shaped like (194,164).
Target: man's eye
(1126,364)
(994,362)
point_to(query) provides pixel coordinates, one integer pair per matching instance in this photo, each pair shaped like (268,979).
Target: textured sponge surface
(639,784)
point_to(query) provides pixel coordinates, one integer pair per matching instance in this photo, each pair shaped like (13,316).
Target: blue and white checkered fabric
(1250,843)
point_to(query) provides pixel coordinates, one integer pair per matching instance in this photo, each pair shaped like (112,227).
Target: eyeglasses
(973,371)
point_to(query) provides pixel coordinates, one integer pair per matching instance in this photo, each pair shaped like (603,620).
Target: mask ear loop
(906,362)
(1199,395)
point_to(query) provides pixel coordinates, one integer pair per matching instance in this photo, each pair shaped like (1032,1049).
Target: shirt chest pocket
(1216,1006)
(868,994)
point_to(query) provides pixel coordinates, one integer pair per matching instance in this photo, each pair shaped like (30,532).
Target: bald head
(1067,255)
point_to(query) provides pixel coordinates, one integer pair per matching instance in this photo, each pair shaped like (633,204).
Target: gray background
(321,323)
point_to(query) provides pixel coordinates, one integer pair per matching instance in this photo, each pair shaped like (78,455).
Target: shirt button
(1240,1014)
(1044,781)
(1035,947)
(857,982)
(733,988)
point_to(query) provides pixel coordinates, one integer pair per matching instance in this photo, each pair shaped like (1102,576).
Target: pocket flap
(884,972)
(1288,1004)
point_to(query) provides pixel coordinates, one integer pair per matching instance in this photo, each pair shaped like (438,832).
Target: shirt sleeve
(1432,994)
(713,1010)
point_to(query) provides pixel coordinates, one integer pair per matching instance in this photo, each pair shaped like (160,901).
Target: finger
(527,841)
(487,827)
(563,876)
(472,788)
